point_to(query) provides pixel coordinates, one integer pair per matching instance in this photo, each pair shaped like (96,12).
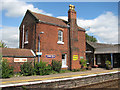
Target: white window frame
(26,37)
(60,37)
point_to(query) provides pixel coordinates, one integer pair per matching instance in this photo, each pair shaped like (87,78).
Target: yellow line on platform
(49,78)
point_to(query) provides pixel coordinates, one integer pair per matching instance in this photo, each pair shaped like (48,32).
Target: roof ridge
(100,43)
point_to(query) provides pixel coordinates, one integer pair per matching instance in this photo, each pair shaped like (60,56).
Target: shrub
(53,72)
(42,69)
(27,69)
(65,71)
(56,65)
(83,63)
(6,70)
(108,64)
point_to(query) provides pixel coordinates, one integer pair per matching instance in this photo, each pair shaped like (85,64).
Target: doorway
(64,60)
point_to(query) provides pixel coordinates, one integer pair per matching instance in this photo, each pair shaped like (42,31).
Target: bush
(83,63)
(6,70)
(53,72)
(27,69)
(56,65)
(108,64)
(42,69)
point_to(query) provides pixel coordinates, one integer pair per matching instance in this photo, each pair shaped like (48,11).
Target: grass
(65,71)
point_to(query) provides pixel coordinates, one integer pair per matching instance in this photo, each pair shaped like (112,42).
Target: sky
(100,19)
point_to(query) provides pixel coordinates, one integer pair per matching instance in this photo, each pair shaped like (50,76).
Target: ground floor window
(98,59)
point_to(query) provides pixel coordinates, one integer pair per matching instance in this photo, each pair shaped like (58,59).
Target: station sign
(38,53)
(50,56)
(75,57)
(20,59)
(81,57)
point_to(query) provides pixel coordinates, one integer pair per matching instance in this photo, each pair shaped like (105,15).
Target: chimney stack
(73,35)
(71,14)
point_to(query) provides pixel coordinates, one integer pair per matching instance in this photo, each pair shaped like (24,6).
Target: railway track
(111,84)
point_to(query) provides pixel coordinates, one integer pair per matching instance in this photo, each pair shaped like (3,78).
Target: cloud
(105,27)
(16,8)
(10,35)
(0,26)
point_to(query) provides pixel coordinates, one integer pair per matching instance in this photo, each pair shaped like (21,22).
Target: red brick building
(16,57)
(61,40)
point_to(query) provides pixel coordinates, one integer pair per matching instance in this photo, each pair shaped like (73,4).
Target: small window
(60,35)
(98,60)
(26,36)
(63,56)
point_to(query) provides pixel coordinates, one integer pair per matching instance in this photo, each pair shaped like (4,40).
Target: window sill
(64,66)
(60,42)
(26,42)
(98,63)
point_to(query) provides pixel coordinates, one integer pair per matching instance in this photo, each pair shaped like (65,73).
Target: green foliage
(83,63)
(53,72)
(27,69)
(108,64)
(56,65)
(42,69)
(64,71)
(2,44)
(5,70)
(90,38)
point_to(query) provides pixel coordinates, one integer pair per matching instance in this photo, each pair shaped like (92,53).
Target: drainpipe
(112,59)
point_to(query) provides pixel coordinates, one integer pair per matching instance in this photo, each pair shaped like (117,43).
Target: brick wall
(30,25)
(48,42)
(16,65)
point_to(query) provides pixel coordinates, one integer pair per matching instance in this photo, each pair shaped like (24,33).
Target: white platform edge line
(54,80)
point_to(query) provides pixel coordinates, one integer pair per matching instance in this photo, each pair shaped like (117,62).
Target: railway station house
(54,39)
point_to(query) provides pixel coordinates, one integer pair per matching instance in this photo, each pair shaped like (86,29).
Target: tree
(2,44)
(90,38)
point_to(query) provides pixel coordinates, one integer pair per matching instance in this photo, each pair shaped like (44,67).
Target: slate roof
(99,45)
(49,19)
(101,48)
(15,52)
(81,29)
(52,20)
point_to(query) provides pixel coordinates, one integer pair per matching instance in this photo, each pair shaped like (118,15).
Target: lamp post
(39,45)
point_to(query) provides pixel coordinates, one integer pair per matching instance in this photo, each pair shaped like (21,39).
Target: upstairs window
(26,36)
(60,35)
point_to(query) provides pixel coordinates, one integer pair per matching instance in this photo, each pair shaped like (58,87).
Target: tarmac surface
(22,79)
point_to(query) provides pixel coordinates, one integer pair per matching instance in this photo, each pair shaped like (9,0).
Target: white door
(64,60)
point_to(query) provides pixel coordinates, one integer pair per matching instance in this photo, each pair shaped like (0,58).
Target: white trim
(33,52)
(54,80)
(60,35)
(26,42)
(23,37)
(64,66)
(60,42)
(64,61)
